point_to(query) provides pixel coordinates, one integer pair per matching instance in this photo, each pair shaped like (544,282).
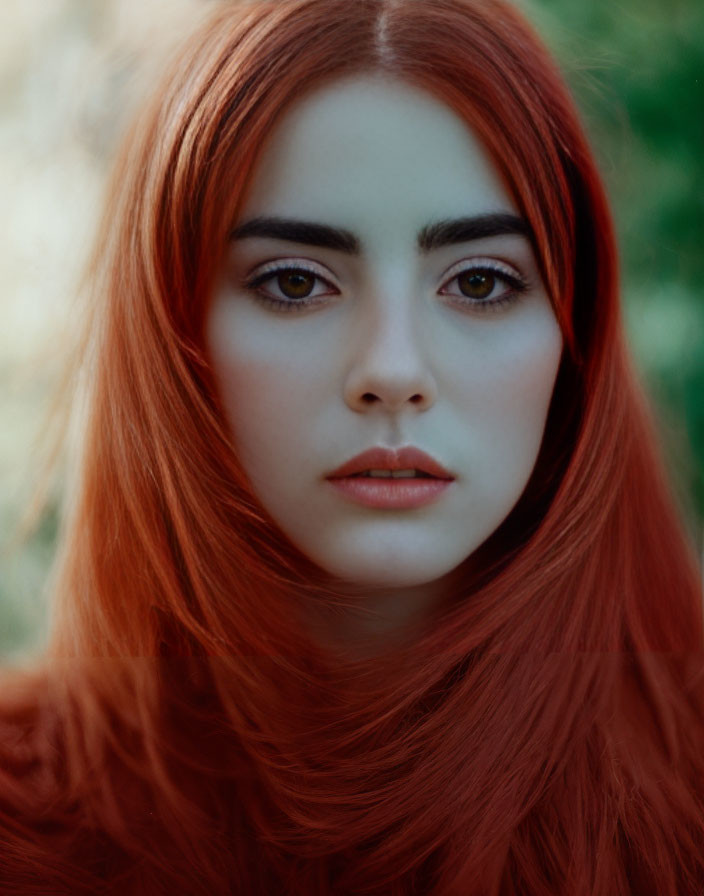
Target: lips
(430,482)
(379,458)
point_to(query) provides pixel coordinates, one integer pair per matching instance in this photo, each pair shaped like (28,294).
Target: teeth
(393,474)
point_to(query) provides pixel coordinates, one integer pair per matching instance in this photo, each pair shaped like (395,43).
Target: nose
(389,366)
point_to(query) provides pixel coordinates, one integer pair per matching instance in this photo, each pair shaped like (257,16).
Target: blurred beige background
(71,74)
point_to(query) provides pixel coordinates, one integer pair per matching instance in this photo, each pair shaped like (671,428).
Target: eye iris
(476,284)
(295,284)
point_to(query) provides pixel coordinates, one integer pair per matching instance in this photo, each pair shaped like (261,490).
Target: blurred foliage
(636,69)
(24,622)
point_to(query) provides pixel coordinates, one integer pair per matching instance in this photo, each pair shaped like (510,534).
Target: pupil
(295,285)
(477,284)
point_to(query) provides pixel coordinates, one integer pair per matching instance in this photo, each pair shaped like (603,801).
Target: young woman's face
(423,323)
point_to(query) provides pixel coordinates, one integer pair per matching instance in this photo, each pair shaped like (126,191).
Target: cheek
(263,402)
(508,390)
(266,390)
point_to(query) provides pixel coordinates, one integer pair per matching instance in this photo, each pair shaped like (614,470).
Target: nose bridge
(389,363)
(391,336)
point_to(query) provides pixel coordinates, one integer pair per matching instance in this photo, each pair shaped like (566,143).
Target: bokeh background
(72,73)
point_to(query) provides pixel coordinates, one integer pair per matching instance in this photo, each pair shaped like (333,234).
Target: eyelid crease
(482,263)
(311,267)
(287,264)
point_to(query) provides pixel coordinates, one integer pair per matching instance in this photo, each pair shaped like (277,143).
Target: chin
(384,573)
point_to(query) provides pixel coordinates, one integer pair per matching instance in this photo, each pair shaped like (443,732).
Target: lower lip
(391,494)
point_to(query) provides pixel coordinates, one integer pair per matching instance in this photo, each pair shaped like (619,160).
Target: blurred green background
(71,71)
(636,69)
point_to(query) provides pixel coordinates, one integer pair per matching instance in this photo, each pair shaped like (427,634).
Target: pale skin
(448,345)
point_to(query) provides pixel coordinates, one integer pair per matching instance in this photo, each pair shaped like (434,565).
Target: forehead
(371,153)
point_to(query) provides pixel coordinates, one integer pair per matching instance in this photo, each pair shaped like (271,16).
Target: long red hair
(186,733)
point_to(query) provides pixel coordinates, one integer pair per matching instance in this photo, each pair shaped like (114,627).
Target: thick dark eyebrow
(304,232)
(433,236)
(464,230)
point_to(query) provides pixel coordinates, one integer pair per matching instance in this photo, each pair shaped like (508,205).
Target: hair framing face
(546,734)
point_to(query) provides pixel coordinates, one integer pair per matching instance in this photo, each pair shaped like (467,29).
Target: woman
(370,580)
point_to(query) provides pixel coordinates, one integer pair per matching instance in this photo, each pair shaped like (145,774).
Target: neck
(365,621)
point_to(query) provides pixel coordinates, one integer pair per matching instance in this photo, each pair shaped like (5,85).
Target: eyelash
(516,285)
(270,271)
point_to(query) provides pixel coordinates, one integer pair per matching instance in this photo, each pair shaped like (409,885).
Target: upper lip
(380,458)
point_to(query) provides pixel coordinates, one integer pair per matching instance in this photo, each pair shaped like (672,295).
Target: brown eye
(481,286)
(476,284)
(296,284)
(291,287)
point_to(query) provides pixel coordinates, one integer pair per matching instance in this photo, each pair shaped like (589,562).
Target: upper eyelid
(322,272)
(484,262)
(284,264)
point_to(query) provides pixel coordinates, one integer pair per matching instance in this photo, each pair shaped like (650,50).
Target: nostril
(370,398)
